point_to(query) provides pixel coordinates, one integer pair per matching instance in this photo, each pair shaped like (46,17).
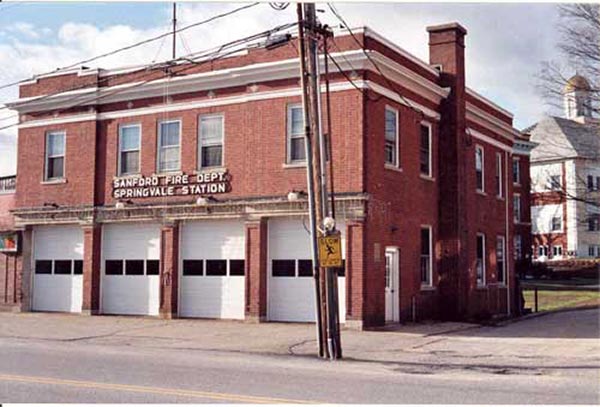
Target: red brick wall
(7,202)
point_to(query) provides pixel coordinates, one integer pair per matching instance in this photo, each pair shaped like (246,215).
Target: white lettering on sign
(216,182)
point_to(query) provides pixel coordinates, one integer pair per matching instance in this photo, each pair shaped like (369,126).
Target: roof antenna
(174,30)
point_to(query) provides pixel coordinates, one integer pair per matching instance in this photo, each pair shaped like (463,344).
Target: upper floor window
(556,224)
(169,139)
(500,259)
(479,172)
(55,155)
(590,183)
(296,147)
(516,171)
(554,183)
(480,263)
(594,223)
(499,176)
(426,258)
(517,208)
(392,143)
(129,149)
(210,141)
(518,247)
(425,149)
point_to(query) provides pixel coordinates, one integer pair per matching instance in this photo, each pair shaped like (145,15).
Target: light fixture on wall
(51,204)
(293,196)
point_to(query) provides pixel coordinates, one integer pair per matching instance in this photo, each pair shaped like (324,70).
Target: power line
(362,47)
(210,55)
(137,44)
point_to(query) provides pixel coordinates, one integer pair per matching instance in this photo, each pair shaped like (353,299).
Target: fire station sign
(330,250)
(204,183)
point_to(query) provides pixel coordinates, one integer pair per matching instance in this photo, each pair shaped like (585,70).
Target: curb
(542,314)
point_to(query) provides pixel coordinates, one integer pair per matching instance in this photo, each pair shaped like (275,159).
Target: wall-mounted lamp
(51,204)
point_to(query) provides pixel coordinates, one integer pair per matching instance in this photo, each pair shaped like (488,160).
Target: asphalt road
(34,371)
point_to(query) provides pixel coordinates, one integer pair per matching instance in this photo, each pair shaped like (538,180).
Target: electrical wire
(171,68)
(137,44)
(387,80)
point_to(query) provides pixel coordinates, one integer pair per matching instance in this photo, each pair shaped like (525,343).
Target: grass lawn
(554,299)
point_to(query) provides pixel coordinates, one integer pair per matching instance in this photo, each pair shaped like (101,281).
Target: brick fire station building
(184,196)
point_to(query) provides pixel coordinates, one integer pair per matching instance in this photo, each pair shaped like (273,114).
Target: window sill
(427,177)
(166,173)
(499,198)
(294,165)
(428,288)
(210,169)
(54,181)
(127,176)
(482,287)
(516,184)
(393,168)
(480,192)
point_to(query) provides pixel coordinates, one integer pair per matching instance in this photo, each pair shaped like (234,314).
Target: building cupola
(577,98)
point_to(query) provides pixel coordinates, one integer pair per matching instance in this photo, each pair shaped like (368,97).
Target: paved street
(66,358)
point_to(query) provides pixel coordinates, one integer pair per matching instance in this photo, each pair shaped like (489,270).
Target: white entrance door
(58,268)
(212,269)
(392,286)
(291,289)
(130,269)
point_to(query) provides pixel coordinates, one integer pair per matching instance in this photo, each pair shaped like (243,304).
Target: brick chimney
(447,50)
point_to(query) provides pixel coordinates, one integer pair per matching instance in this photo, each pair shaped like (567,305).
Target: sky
(506,43)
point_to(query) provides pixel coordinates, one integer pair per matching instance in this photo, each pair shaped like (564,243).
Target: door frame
(394,253)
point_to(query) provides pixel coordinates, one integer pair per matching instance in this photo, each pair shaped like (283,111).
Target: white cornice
(239,76)
(488,139)
(490,122)
(249,97)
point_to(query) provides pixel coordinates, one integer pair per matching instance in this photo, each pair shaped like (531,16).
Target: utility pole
(325,287)
(174,30)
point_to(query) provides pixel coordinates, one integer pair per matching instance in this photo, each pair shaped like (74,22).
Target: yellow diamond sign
(330,250)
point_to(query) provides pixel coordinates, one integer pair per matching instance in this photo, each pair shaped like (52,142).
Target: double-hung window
(517,208)
(479,172)
(499,176)
(516,171)
(425,149)
(480,263)
(392,143)
(169,139)
(129,149)
(55,156)
(518,247)
(500,259)
(554,183)
(296,147)
(426,258)
(556,225)
(210,141)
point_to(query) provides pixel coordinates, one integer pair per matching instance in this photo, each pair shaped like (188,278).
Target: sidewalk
(563,342)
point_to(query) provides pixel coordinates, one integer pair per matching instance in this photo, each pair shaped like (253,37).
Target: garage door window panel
(216,267)
(152,267)
(113,267)
(134,267)
(284,268)
(78,267)
(237,267)
(305,268)
(62,266)
(43,267)
(193,267)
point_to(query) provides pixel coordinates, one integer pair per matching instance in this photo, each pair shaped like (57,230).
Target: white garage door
(130,269)
(291,290)
(212,269)
(58,268)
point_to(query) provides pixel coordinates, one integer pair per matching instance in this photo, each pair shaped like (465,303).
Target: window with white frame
(554,182)
(480,263)
(169,142)
(479,171)
(542,251)
(516,171)
(392,142)
(296,147)
(129,149)
(499,176)
(594,250)
(425,149)
(518,242)
(210,141)
(517,208)
(500,259)
(594,223)
(556,251)
(55,155)
(426,257)
(556,225)
(590,183)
